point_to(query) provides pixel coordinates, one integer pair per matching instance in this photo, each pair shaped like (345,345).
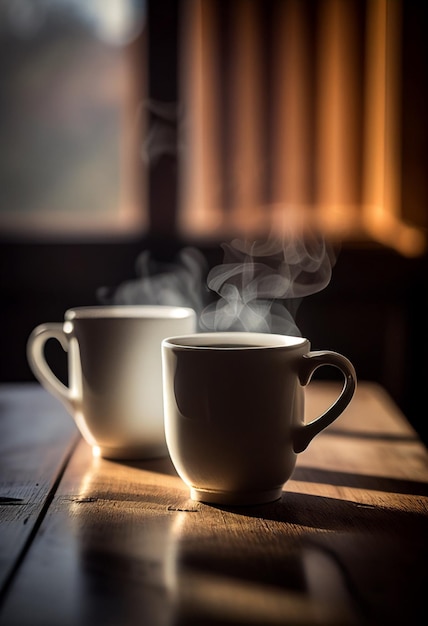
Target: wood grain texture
(36,437)
(122,544)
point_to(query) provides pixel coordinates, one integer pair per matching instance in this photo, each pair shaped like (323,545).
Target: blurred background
(134,130)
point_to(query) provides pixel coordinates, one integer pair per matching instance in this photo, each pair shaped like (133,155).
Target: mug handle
(39,366)
(304,433)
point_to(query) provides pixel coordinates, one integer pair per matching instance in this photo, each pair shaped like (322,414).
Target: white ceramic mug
(114,372)
(234,411)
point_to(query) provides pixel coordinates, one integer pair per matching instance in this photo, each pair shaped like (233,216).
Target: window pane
(72,76)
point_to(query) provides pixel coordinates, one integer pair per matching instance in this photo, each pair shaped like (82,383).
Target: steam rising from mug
(260,285)
(173,284)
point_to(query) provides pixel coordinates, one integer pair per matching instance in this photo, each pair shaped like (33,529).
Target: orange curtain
(292,117)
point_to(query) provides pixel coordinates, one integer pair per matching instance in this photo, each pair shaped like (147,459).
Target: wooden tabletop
(86,541)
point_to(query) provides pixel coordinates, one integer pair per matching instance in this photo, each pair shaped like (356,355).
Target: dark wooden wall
(374,310)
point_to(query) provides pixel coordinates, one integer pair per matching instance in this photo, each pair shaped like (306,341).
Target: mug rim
(121,311)
(264,341)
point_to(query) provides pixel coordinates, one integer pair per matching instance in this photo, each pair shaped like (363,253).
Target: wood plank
(374,414)
(36,437)
(122,543)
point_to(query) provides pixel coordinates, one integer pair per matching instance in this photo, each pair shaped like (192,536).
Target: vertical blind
(292,117)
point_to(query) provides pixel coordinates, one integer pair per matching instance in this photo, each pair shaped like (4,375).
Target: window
(72,117)
(204,119)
